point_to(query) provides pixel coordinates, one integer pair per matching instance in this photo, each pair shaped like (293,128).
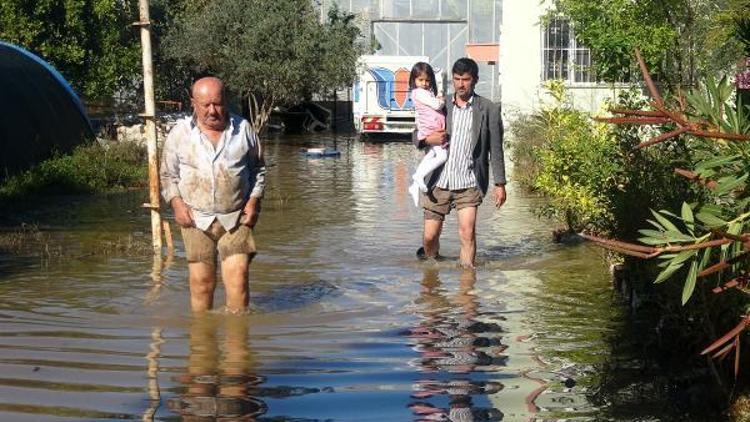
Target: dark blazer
(487,137)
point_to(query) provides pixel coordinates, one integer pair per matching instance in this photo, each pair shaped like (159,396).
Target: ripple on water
(346,324)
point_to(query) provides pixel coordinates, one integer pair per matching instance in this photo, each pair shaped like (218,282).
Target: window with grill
(563,56)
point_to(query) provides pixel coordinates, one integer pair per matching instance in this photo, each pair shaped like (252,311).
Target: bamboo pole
(152,357)
(152,373)
(149,116)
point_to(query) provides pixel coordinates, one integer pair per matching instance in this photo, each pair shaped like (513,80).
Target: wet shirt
(214,181)
(458,172)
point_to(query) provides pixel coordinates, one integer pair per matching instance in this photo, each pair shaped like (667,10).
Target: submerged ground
(346,324)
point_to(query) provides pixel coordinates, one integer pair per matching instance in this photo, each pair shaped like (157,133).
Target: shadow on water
(600,362)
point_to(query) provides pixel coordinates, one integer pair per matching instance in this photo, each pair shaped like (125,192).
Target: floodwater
(346,325)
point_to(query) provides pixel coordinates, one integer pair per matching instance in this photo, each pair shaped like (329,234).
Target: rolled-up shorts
(438,202)
(202,246)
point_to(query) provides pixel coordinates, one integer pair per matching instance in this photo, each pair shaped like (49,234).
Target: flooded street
(346,324)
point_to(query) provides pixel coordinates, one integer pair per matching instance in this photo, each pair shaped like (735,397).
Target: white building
(533,52)
(516,53)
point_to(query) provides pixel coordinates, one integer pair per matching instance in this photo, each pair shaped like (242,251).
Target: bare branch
(663,137)
(647,78)
(720,135)
(619,244)
(644,113)
(726,337)
(690,175)
(723,264)
(634,120)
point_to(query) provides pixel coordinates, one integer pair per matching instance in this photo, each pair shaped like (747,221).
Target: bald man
(213,176)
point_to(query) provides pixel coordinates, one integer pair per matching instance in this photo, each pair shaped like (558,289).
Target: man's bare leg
(431,240)
(234,273)
(467,218)
(202,286)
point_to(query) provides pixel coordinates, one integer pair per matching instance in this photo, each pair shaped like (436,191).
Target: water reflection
(332,295)
(453,343)
(218,378)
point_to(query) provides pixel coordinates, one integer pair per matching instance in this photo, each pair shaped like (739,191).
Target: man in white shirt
(213,176)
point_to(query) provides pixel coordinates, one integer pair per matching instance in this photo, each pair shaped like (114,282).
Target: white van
(381,97)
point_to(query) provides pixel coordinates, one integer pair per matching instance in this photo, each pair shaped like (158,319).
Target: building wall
(439,29)
(521,64)
(520,56)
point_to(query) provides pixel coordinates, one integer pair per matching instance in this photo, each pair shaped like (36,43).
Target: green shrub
(526,135)
(90,168)
(589,171)
(577,166)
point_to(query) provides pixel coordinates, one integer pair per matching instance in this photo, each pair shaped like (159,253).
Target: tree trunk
(257,110)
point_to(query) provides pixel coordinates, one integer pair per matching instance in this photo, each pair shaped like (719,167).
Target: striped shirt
(458,172)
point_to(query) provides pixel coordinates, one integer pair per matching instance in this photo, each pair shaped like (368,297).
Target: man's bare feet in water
(422,256)
(466,266)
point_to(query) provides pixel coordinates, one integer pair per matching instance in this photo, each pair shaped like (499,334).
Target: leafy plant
(742,32)
(707,242)
(89,41)
(588,171)
(270,52)
(679,39)
(89,169)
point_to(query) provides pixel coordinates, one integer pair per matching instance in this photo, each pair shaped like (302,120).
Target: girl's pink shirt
(429,108)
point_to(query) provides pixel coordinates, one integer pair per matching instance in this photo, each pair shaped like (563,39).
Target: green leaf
(712,209)
(689,287)
(705,258)
(667,273)
(653,241)
(735,229)
(684,256)
(665,222)
(651,233)
(663,264)
(710,220)
(687,217)
(669,213)
(655,224)
(728,184)
(673,236)
(716,162)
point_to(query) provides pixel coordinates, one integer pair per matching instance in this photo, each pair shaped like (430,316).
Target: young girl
(430,118)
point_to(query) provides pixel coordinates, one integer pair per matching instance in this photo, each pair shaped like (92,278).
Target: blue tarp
(39,112)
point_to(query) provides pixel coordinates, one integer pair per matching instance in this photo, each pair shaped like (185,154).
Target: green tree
(171,78)
(679,39)
(90,42)
(272,52)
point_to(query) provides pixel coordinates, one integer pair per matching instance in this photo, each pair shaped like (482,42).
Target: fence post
(150,117)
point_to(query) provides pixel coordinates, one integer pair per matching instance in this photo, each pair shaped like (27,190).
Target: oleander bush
(668,181)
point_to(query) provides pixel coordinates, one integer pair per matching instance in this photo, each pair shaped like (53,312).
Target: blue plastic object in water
(321,152)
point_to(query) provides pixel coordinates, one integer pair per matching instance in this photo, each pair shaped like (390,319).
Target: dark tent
(39,112)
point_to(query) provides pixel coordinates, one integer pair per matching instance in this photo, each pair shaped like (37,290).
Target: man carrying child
(475,127)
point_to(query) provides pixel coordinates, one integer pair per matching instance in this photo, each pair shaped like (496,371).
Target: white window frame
(577,73)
